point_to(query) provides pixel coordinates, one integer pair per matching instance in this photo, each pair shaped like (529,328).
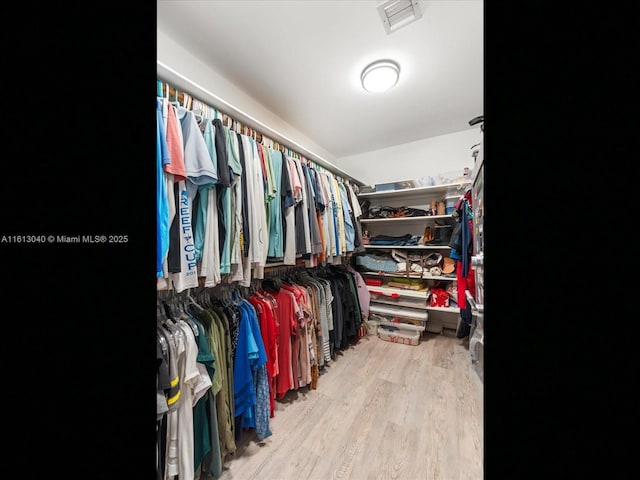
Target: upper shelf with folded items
(419,219)
(418,194)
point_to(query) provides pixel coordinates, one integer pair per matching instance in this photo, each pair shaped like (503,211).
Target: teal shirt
(233,151)
(276,240)
(201,421)
(200,223)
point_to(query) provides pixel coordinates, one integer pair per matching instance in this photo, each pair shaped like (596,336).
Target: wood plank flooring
(381,411)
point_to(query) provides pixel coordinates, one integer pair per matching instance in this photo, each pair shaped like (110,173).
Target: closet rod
(167,74)
(226,119)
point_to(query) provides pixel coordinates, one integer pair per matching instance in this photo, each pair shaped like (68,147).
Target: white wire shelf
(406,247)
(449,189)
(406,219)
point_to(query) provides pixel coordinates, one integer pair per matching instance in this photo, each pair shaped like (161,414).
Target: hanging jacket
(465,275)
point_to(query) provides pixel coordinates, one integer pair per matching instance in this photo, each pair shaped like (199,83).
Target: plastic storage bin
(398,336)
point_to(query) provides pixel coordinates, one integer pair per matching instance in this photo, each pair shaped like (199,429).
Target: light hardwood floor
(381,411)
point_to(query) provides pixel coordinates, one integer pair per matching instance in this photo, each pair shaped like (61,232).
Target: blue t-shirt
(249,356)
(349,229)
(162,202)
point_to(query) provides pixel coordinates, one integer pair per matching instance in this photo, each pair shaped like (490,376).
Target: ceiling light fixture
(380,76)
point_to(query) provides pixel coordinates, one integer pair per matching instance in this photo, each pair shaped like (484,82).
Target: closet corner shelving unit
(404,308)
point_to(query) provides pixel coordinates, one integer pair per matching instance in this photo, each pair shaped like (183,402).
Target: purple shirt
(363,292)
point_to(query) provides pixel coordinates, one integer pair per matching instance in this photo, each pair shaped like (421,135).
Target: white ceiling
(302,60)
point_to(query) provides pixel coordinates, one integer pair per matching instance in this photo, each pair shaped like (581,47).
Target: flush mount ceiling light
(380,76)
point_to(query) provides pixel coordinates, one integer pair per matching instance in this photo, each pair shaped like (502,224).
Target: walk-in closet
(320,240)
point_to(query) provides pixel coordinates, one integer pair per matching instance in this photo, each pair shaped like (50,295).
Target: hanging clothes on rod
(234,333)
(229,353)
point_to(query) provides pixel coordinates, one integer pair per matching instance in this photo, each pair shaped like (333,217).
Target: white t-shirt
(190,376)
(257,221)
(210,266)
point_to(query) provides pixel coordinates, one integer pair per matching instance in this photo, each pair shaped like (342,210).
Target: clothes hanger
(164,346)
(258,289)
(217,296)
(198,111)
(165,320)
(185,314)
(168,308)
(184,306)
(236,296)
(256,286)
(178,304)
(173,303)
(176,101)
(182,108)
(192,302)
(161,314)
(228,297)
(203,298)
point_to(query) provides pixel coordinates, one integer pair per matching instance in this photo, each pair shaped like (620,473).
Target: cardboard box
(397,336)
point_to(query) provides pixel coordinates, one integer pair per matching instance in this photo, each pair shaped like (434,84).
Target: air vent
(396,14)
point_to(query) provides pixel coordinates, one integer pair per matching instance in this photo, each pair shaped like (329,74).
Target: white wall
(412,160)
(408,161)
(177,58)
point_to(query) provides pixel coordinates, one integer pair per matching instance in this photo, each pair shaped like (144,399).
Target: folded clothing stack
(376,263)
(406,239)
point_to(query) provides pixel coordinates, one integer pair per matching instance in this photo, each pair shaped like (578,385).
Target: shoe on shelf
(442,235)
